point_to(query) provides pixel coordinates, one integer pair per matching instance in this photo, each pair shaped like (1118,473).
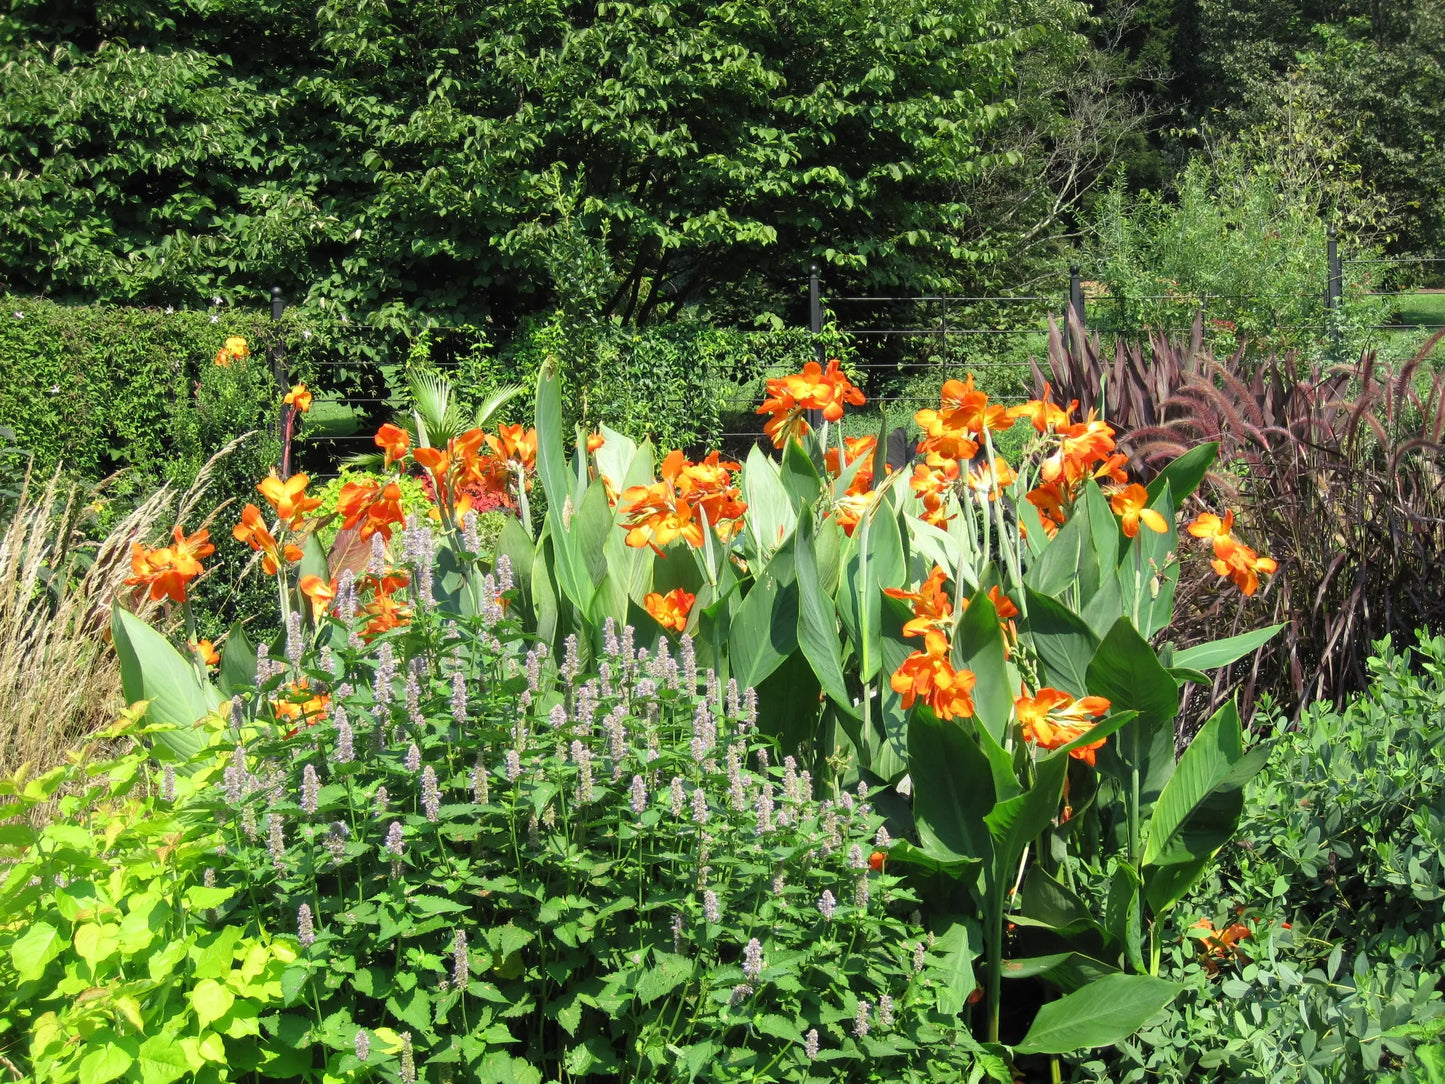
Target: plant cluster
(1336,881)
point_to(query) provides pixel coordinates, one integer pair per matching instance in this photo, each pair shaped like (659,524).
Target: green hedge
(684,383)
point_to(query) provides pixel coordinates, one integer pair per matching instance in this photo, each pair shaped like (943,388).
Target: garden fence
(906,344)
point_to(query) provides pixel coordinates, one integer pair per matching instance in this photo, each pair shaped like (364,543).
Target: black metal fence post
(815,325)
(277,354)
(1335,286)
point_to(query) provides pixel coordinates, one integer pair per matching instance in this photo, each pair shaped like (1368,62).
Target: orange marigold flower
(670,610)
(1054,718)
(929,676)
(931,606)
(206,652)
(394,441)
(299,398)
(1129,504)
(252,531)
(289,498)
(319,592)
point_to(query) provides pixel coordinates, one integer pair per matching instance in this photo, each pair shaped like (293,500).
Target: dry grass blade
(59,678)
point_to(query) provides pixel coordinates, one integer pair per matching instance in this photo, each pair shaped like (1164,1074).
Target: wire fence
(903,346)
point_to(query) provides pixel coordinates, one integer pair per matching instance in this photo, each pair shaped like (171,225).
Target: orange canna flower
(1081,447)
(319,592)
(855,448)
(933,482)
(848,511)
(252,531)
(1216,947)
(1233,560)
(964,414)
(289,498)
(594,442)
(300,706)
(986,481)
(876,860)
(658,513)
(1054,718)
(1129,505)
(299,398)
(206,652)
(1048,498)
(383,612)
(372,506)
(670,610)
(815,388)
(1208,525)
(1239,564)
(168,570)
(235,349)
(932,609)
(514,445)
(929,676)
(394,441)
(1044,413)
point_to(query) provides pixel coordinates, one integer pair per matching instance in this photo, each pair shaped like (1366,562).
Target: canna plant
(980,645)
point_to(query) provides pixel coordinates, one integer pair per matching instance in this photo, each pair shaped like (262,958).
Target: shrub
(1338,870)
(113,964)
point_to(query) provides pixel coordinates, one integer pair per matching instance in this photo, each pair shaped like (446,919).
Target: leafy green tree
(393,159)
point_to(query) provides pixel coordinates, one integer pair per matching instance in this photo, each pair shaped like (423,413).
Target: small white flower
(170,310)
(306,334)
(215,319)
(19,316)
(215,301)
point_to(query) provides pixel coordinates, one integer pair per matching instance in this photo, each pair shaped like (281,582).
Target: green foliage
(1237,241)
(426,159)
(525,869)
(113,963)
(681,383)
(1340,837)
